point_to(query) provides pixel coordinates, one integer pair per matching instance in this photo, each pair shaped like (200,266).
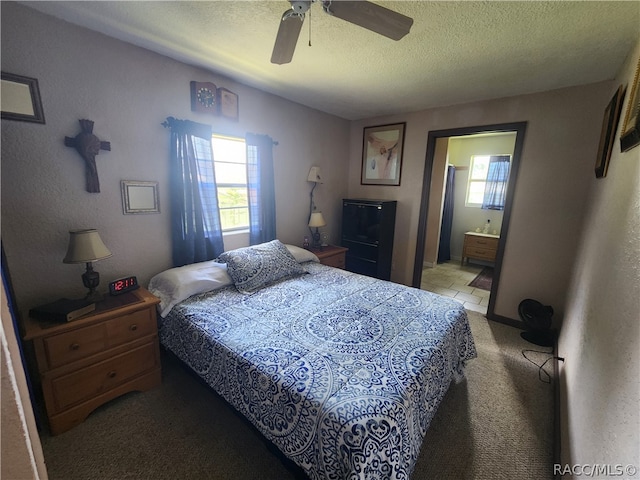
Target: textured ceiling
(456,52)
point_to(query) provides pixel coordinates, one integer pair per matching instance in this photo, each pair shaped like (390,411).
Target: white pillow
(177,284)
(301,255)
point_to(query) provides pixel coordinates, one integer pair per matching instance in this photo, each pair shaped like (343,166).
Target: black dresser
(367,231)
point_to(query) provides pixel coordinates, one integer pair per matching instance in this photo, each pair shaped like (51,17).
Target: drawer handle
(74,346)
(112,374)
(133,327)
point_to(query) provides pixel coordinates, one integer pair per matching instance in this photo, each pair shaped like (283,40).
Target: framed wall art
(21,98)
(139,197)
(630,136)
(228,104)
(382,149)
(607,134)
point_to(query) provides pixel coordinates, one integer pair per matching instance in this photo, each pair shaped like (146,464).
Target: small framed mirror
(139,197)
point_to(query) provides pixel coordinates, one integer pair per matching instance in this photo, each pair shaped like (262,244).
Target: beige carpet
(496,424)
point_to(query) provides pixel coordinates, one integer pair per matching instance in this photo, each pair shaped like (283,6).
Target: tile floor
(451,280)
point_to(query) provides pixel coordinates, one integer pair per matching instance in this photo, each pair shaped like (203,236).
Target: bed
(342,372)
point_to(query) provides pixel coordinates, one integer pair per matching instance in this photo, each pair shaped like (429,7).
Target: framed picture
(139,197)
(607,134)
(21,98)
(630,136)
(382,148)
(228,104)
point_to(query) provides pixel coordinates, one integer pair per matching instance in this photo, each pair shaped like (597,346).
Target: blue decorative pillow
(252,268)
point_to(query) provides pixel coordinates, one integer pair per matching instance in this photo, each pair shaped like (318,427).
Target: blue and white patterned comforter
(342,372)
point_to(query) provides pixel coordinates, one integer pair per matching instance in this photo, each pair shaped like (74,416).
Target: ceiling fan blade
(373,17)
(287,37)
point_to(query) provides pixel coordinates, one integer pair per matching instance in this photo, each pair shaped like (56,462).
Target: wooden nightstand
(96,358)
(482,246)
(331,255)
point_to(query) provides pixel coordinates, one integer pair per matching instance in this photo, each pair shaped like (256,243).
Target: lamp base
(91,280)
(316,239)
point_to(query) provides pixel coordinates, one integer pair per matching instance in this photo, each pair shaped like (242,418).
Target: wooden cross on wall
(88,146)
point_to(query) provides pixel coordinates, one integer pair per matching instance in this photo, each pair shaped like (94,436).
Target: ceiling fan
(368,15)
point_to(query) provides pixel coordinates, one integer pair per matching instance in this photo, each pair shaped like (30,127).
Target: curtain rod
(167,124)
(274,142)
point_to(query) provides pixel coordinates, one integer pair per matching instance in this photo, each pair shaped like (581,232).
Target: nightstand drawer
(101,377)
(334,261)
(480,253)
(130,327)
(71,346)
(331,255)
(481,242)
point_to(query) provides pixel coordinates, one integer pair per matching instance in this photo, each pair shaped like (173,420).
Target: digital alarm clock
(123,285)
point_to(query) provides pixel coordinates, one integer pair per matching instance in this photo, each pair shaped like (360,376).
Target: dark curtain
(195,218)
(495,191)
(260,183)
(444,249)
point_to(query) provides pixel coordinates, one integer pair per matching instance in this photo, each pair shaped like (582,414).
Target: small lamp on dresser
(86,246)
(315,221)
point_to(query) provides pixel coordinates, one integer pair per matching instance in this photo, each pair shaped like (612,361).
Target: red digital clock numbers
(123,285)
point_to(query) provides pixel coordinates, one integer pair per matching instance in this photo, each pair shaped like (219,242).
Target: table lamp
(86,246)
(316,220)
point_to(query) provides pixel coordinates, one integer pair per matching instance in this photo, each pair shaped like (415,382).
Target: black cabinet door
(367,231)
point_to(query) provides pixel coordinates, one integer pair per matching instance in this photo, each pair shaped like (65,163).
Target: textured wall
(128,91)
(600,377)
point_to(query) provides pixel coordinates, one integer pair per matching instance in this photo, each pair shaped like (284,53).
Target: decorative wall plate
(228,104)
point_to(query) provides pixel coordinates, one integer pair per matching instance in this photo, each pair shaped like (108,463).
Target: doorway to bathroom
(454,151)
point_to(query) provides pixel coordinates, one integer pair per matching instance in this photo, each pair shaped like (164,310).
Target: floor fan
(537,318)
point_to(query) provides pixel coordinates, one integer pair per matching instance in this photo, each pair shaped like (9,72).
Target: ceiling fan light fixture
(300,6)
(292,14)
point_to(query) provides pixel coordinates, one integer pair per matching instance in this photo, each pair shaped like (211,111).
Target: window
(477,180)
(488,178)
(230,163)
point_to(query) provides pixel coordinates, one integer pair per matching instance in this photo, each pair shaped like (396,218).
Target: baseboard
(507,321)
(426,264)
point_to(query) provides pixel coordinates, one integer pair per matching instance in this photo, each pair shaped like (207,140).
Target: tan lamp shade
(85,246)
(314,175)
(317,220)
